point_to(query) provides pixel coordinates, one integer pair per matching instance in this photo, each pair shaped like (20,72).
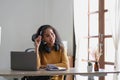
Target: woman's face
(49,37)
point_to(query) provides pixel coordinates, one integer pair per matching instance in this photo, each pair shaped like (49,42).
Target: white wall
(19,19)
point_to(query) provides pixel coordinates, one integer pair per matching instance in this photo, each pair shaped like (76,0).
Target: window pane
(93,46)
(109,16)
(109,50)
(93,7)
(93,24)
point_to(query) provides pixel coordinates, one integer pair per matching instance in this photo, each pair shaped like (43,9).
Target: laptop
(21,60)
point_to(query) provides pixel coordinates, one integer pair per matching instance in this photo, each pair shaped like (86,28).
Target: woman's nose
(51,37)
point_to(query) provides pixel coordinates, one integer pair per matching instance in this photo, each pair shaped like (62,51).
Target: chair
(30,50)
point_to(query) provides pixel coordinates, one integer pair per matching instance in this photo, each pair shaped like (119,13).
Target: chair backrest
(30,50)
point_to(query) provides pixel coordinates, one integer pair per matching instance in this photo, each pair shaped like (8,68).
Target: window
(93,20)
(100,19)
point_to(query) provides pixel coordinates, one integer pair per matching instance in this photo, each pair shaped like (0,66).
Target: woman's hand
(43,66)
(38,41)
(37,44)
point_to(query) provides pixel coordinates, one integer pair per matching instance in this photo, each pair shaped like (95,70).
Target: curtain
(80,28)
(116,38)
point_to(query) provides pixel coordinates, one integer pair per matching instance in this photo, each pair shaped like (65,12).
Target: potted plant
(89,67)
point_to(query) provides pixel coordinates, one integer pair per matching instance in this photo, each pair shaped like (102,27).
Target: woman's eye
(52,34)
(47,35)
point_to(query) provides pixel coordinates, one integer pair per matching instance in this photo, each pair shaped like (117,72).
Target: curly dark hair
(40,32)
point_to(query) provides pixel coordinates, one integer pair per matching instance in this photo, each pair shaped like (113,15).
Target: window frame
(101,30)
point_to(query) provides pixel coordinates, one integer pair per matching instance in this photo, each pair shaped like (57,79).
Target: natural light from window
(81,27)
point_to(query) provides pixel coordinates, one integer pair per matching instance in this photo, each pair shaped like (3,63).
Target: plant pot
(89,68)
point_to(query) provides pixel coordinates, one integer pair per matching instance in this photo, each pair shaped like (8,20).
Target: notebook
(21,60)
(52,67)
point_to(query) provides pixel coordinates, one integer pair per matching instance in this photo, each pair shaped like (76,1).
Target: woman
(49,49)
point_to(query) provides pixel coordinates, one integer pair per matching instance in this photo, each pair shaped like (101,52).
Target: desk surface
(42,72)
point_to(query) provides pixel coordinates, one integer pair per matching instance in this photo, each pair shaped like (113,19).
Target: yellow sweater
(58,58)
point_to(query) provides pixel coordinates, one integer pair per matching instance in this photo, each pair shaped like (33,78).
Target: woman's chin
(52,44)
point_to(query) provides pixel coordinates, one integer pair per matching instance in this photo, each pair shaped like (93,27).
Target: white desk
(71,71)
